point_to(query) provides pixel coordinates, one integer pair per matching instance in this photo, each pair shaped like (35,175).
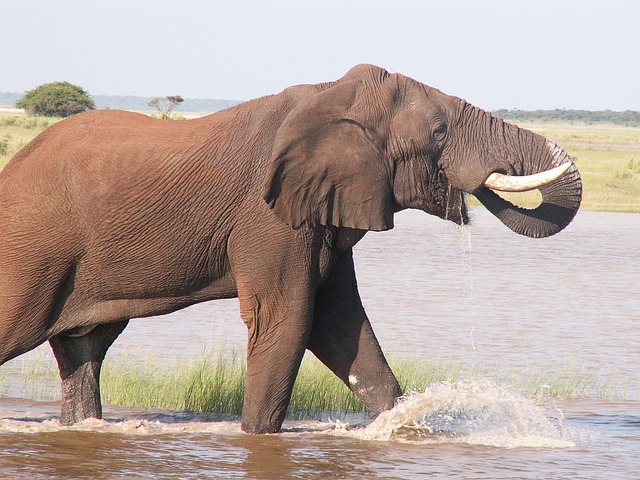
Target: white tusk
(511,183)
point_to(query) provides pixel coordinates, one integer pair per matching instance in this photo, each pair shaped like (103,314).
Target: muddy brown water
(497,303)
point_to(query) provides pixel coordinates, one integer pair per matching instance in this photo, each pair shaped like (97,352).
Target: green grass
(214,382)
(16,130)
(210,383)
(567,382)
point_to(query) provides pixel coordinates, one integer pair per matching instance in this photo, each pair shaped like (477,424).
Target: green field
(608,156)
(16,130)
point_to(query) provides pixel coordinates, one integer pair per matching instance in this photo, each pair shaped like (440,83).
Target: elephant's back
(51,182)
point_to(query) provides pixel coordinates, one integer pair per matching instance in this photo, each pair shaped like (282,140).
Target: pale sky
(526,54)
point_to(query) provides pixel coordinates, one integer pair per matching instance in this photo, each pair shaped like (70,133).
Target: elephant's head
(372,144)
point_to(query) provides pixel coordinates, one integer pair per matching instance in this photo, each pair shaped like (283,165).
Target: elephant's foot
(259,425)
(267,397)
(81,395)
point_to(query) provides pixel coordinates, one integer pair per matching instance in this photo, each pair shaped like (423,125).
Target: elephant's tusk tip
(511,183)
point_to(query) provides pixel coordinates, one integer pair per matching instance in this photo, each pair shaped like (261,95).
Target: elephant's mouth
(456,206)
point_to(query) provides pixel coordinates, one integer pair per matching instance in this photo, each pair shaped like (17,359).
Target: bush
(165,105)
(57,99)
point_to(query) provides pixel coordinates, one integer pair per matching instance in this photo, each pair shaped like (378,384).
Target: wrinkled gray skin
(112,215)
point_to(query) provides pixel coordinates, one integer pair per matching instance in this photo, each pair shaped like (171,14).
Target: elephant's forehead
(420,96)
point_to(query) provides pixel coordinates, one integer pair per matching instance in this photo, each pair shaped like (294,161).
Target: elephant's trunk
(527,154)
(560,202)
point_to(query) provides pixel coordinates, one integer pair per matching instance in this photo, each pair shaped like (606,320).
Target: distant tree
(628,117)
(165,105)
(57,99)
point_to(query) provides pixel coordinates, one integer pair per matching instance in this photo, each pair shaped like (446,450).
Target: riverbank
(607,155)
(213,382)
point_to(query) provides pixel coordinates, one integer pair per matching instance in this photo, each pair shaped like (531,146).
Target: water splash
(476,413)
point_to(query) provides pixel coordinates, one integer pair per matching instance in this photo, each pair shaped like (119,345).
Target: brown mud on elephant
(113,215)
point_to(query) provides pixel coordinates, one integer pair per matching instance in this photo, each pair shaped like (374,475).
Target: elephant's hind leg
(79,361)
(28,305)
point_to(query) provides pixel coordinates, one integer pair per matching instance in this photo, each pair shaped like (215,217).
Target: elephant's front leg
(278,327)
(342,338)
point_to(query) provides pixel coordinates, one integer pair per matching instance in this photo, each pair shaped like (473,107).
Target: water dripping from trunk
(466,294)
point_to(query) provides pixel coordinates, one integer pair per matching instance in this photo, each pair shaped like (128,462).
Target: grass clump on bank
(208,384)
(215,383)
(567,382)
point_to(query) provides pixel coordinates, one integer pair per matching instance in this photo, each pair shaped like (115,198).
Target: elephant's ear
(327,168)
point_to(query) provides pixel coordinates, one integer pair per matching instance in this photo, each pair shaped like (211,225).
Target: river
(501,305)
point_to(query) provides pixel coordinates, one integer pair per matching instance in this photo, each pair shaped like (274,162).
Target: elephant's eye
(440,132)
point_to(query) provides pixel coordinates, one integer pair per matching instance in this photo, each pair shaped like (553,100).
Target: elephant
(111,215)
